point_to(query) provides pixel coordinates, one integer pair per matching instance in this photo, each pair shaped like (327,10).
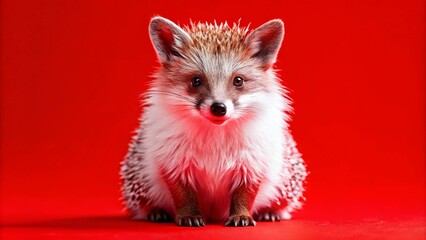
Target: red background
(72,73)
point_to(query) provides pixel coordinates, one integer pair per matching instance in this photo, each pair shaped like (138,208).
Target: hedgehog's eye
(238,81)
(196,81)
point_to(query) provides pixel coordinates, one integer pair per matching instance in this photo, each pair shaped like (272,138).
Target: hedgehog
(214,143)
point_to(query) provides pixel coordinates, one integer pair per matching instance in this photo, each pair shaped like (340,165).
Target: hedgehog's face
(221,87)
(215,72)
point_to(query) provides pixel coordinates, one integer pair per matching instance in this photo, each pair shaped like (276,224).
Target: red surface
(72,72)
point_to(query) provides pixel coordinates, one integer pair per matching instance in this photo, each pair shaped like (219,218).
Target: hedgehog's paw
(159,215)
(240,220)
(190,220)
(269,216)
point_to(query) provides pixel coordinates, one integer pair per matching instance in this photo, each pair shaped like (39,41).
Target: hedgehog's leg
(241,203)
(187,212)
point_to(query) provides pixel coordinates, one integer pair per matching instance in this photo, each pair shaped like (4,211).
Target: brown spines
(214,38)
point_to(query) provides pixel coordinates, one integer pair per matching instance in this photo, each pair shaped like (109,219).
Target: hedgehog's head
(215,71)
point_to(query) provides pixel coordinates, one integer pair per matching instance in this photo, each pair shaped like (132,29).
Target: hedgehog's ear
(265,42)
(168,38)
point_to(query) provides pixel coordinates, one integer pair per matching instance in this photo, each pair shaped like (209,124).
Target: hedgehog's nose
(218,109)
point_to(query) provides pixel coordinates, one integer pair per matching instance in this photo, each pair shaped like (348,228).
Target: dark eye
(238,81)
(196,81)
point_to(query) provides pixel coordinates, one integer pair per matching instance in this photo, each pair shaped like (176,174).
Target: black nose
(218,109)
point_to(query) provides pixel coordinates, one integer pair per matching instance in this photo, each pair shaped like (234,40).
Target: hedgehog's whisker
(173,94)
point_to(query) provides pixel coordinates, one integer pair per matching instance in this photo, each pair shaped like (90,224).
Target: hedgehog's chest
(214,170)
(213,194)
(213,164)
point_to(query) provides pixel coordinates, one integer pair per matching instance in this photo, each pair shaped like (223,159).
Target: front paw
(190,220)
(268,217)
(158,215)
(240,221)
